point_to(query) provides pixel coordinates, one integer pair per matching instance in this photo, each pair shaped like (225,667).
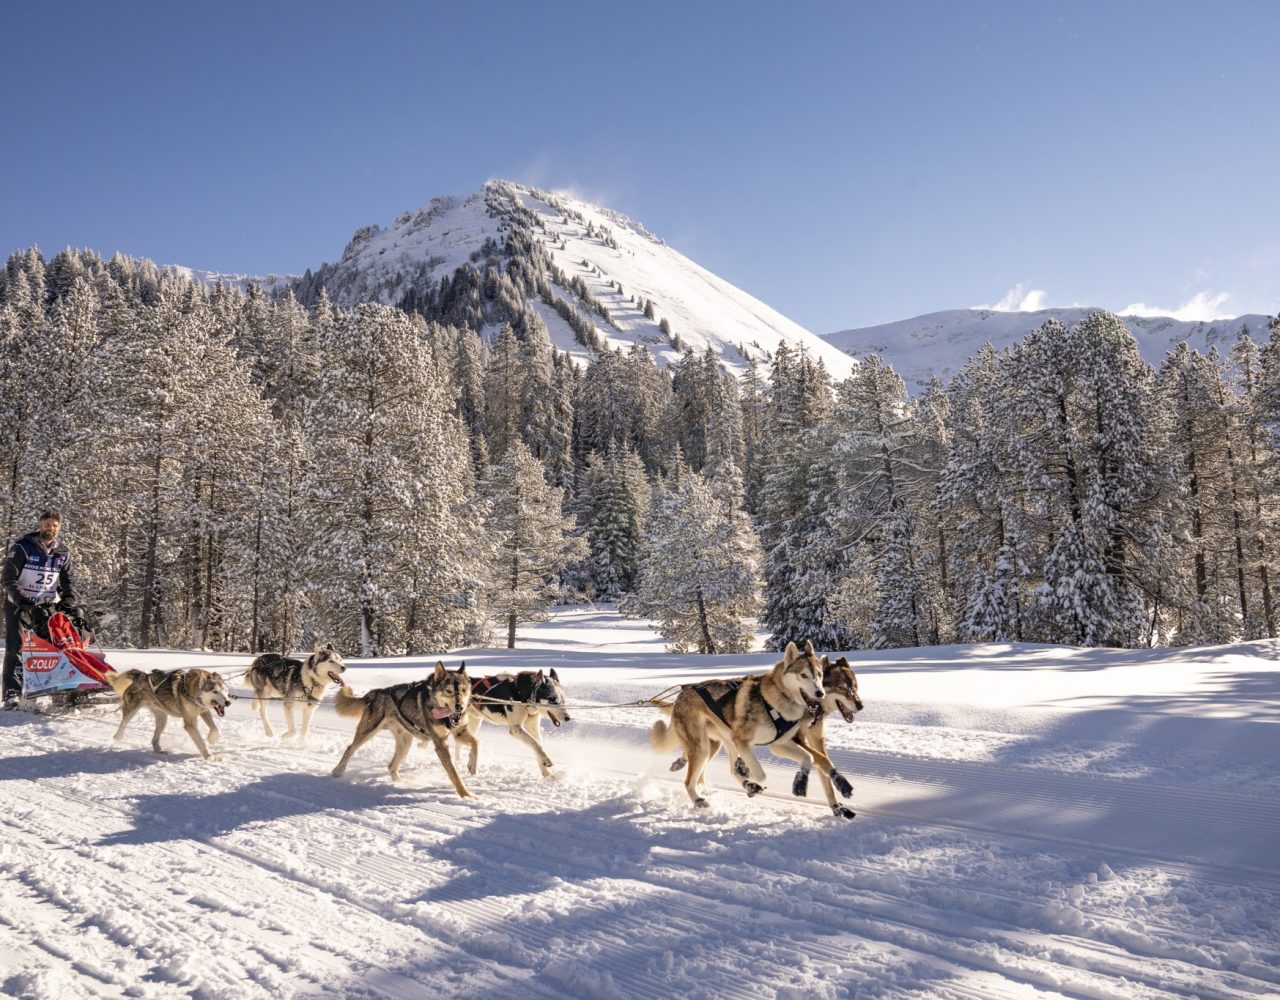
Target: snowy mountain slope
(1033,821)
(619,262)
(940,343)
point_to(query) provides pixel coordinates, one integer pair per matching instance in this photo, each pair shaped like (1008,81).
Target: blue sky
(848,163)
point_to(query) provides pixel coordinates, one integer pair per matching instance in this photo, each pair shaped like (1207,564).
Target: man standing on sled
(36,581)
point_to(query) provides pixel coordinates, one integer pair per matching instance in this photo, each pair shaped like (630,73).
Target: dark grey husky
(294,682)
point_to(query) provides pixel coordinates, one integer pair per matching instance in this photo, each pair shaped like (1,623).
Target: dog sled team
(784,709)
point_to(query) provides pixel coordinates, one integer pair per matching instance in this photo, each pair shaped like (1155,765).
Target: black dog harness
(492,692)
(781,725)
(496,694)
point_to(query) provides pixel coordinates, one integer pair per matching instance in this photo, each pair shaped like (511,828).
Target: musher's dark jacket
(34,573)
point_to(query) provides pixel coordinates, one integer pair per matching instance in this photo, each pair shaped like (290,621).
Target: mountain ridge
(939,343)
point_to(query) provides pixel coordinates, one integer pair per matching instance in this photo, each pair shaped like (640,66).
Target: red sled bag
(62,664)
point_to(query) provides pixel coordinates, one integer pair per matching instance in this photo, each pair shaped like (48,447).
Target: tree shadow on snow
(191,816)
(519,853)
(67,763)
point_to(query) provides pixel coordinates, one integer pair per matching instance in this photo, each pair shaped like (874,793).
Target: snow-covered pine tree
(1087,449)
(504,394)
(977,504)
(376,445)
(1199,447)
(797,506)
(613,502)
(448,548)
(700,570)
(1258,475)
(534,540)
(286,369)
(880,455)
(22,334)
(754,409)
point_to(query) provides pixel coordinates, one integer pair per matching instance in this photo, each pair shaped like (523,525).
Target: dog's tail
(663,736)
(120,681)
(346,703)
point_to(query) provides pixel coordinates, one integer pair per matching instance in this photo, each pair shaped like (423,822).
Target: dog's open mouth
(335,677)
(846,712)
(556,720)
(220,708)
(445,715)
(812,704)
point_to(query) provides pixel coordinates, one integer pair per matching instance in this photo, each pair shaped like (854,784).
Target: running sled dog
(759,710)
(424,710)
(185,694)
(294,682)
(519,702)
(839,694)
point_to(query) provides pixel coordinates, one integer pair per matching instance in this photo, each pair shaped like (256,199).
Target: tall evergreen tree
(699,572)
(534,539)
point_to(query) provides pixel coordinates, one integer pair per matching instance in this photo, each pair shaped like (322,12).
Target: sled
(61,667)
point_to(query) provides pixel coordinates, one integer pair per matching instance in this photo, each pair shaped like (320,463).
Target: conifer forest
(247,471)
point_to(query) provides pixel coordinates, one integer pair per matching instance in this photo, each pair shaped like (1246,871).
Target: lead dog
(840,694)
(517,701)
(294,681)
(759,710)
(187,694)
(424,710)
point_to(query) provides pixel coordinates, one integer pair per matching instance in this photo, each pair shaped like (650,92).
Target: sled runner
(60,665)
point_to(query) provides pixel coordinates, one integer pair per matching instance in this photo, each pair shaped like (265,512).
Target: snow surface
(940,343)
(1032,821)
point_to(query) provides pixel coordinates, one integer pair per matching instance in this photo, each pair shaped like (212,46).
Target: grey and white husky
(294,682)
(517,701)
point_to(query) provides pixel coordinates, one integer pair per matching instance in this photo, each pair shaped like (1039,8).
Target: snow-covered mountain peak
(619,279)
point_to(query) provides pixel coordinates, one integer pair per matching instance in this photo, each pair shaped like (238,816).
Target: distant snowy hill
(597,263)
(940,343)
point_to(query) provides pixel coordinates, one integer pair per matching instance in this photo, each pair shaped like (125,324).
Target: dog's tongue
(440,713)
(334,677)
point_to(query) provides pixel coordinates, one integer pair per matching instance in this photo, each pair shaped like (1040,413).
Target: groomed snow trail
(130,874)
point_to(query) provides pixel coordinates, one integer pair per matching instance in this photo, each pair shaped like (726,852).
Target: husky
(535,693)
(294,681)
(758,710)
(424,710)
(840,694)
(188,694)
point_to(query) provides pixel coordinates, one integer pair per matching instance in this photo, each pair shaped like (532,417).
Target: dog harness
(491,691)
(781,724)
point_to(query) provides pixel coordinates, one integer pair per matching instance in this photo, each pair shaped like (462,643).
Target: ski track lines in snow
(261,875)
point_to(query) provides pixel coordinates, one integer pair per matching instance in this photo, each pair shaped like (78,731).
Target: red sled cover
(61,665)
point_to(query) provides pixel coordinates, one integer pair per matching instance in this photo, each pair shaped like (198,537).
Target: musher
(36,581)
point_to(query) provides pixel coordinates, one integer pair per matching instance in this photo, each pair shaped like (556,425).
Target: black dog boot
(800,784)
(841,783)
